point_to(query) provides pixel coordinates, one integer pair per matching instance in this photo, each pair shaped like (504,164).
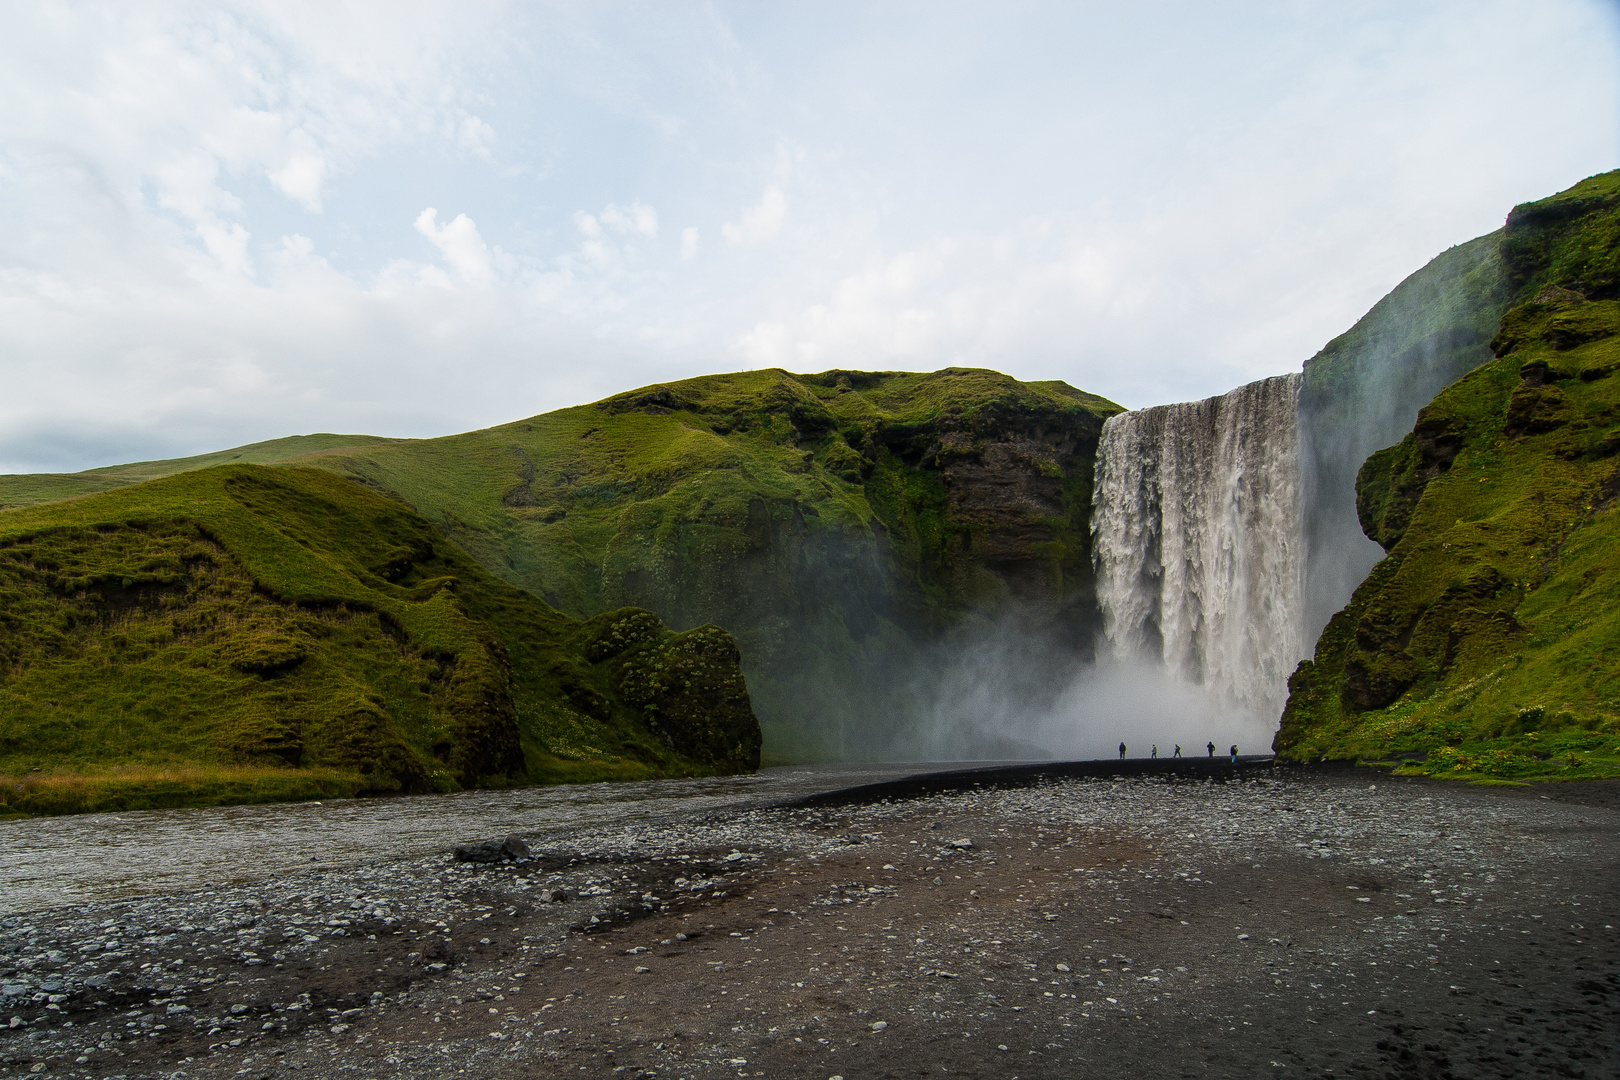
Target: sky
(227,222)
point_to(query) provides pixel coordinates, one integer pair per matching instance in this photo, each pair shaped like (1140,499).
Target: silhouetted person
(1234,753)
(1178,751)
(1122,751)
(1154,753)
(1212,749)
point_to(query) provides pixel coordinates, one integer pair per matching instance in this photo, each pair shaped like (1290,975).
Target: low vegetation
(29,489)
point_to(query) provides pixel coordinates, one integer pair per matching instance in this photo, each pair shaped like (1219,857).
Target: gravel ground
(141,852)
(1318,924)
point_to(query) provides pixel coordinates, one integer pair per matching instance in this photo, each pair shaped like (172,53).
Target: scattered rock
(492,851)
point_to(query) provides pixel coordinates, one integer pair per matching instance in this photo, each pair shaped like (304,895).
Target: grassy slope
(240,632)
(836,523)
(30,489)
(1487,643)
(813,516)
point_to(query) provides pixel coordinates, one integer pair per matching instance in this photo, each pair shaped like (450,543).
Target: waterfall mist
(1362,392)
(1007,696)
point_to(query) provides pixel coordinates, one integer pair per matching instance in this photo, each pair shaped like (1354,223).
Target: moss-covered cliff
(838,524)
(241,633)
(1487,642)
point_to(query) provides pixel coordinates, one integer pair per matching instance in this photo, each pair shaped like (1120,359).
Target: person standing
(1122,750)
(1154,753)
(1234,753)
(1212,748)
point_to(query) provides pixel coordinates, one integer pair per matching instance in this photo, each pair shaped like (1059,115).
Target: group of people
(1177,753)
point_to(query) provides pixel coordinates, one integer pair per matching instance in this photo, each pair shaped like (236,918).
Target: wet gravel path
(1310,925)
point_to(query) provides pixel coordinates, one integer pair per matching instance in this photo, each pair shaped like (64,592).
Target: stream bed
(55,861)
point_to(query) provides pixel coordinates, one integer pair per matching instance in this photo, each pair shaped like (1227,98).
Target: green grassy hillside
(837,523)
(30,489)
(841,525)
(1487,643)
(242,632)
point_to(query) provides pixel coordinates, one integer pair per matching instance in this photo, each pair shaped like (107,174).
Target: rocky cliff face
(1361,393)
(1487,641)
(847,526)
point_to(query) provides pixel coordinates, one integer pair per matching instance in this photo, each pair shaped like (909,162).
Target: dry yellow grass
(147,787)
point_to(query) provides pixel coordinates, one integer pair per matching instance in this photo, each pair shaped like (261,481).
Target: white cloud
(759,222)
(304,171)
(460,244)
(635,218)
(588,226)
(626,222)
(476,136)
(689,242)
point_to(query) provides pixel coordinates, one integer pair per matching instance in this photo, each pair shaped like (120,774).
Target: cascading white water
(1198,538)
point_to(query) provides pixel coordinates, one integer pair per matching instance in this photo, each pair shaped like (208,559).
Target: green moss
(1487,643)
(245,617)
(119,788)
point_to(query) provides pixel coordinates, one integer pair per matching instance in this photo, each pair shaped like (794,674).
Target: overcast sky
(233,221)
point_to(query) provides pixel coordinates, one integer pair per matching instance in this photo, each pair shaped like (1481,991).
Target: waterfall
(1199,544)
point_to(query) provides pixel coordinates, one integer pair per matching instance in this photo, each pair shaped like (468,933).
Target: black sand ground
(1324,924)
